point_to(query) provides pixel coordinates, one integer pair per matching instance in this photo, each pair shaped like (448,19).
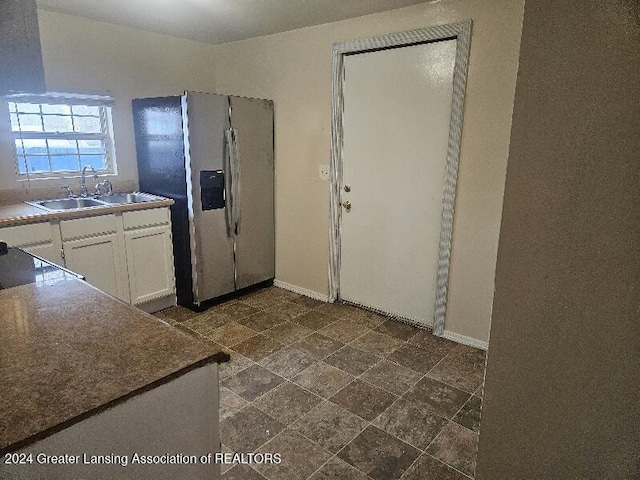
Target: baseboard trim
(472,342)
(449,335)
(153,306)
(301,291)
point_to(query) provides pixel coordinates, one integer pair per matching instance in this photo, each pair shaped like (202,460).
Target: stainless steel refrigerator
(213,155)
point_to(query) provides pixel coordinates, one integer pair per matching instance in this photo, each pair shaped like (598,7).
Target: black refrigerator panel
(161,171)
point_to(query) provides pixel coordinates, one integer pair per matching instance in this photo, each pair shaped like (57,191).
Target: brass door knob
(347,205)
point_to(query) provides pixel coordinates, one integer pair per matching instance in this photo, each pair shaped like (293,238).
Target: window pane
(12,107)
(96,161)
(91,147)
(34,147)
(22,166)
(86,110)
(61,109)
(60,163)
(62,147)
(57,123)
(15,126)
(28,107)
(38,164)
(18,143)
(30,123)
(87,124)
(64,155)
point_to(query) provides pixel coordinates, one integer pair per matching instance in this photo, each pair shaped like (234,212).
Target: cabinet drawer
(145,218)
(22,235)
(86,227)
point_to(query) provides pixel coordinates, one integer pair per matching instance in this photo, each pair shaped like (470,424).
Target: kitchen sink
(67,203)
(101,201)
(127,198)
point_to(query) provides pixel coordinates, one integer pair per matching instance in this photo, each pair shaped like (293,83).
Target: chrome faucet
(83,181)
(107,185)
(69,190)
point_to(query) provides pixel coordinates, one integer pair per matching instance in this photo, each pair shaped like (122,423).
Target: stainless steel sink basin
(101,201)
(134,197)
(67,203)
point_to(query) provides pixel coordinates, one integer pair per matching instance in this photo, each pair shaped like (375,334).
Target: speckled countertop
(68,351)
(21,213)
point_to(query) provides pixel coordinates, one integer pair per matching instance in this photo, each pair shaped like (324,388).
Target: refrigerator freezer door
(205,120)
(252,120)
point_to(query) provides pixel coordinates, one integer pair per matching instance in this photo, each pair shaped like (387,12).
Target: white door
(397,110)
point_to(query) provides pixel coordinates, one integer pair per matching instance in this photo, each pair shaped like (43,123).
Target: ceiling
(220,21)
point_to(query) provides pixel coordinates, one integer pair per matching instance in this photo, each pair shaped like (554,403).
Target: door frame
(461,32)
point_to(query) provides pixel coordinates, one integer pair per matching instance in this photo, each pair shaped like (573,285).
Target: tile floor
(339,392)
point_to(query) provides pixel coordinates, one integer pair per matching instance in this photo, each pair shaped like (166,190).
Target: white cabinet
(149,250)
(93,247)
(47,251)
(101,261)
(42,239)
(128,255)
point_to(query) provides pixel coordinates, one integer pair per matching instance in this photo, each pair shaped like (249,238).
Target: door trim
(461,32)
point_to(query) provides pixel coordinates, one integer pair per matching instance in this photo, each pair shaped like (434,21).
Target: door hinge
(62,253)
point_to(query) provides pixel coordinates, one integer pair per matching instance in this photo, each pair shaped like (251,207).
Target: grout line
(459,410)
(451,467)
(448,384)
(334,455)
(412,464)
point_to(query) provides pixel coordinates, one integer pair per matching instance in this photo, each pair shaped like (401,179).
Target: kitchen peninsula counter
(69,351)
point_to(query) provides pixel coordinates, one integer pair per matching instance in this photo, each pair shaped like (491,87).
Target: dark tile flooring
(339,392)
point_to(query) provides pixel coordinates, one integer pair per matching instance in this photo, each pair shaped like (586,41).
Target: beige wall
(563,372)
(81,54)
(294,69)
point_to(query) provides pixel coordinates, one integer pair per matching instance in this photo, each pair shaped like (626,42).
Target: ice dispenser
(212,189)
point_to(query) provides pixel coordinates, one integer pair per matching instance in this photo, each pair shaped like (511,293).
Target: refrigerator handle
(228,183)
(235,181)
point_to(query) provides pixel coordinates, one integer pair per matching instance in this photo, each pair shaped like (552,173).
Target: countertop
(68,351)
(21,213)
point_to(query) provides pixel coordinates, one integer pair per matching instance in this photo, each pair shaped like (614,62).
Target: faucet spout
(83,180)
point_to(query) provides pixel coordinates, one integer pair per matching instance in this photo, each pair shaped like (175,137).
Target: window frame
(103,102)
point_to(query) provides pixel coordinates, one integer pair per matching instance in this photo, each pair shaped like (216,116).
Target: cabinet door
(48,251)
(42,239)
(100,259)
(150,262)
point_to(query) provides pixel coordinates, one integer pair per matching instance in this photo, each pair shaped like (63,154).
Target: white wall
(294,69)
(179,417)
(81,54)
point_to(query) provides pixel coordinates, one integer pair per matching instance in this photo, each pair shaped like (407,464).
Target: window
(56,135)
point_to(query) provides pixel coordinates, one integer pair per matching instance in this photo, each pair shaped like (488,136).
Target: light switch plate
(324,172)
